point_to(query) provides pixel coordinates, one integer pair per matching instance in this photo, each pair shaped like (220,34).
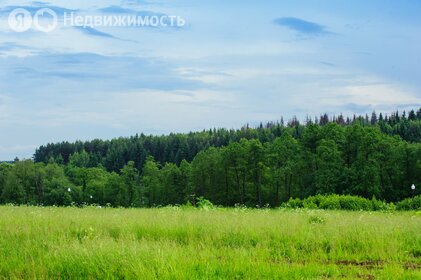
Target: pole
(413,196)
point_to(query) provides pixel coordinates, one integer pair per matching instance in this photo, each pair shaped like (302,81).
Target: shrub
(410,204)
(355,203)
(203,203)
(378,205)
(339,202)
(314,200)
(293,203)
(308,204)
(330,202)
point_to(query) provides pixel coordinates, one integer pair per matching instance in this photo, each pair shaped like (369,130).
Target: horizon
(228,65)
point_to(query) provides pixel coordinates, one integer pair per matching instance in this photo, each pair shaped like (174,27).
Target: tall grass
(176,243)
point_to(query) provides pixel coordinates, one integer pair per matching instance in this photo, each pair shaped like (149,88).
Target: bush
(203,203)
(294,203)
(308,204)
(356,203)
(331,202)
(410,204)
(340,202)
(379,205)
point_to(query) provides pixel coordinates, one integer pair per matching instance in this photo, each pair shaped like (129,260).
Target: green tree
(235,164)
(79,159)
(330,168)
(256,167)
(4,172)
(151,193)
(21,183)
(116,192)
(173,190)
(185,182)
(283,157)
(57,185)
(130,176)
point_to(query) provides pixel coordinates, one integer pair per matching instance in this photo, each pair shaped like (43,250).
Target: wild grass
(177,243)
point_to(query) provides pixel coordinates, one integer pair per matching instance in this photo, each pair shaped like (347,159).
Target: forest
(368,156)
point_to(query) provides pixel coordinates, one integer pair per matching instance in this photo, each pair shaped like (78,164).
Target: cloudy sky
(233,62)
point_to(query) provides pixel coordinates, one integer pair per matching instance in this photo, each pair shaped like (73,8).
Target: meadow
(186,243)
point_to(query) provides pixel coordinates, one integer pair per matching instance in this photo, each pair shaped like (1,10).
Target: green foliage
(410,204)
(339,202)
(294,203)
(268,165)
(331,202)
(152,188)
(116,193)
(204,204)
(174,148)
(79,159)
(131,179)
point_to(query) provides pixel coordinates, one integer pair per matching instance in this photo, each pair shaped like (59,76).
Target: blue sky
(234,62)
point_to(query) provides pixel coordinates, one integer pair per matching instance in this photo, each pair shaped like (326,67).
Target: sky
(231,63)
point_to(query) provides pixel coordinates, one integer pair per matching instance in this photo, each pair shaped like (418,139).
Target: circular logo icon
(45,20)
(20,20)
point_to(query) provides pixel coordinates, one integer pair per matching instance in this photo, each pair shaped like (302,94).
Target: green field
(177,243)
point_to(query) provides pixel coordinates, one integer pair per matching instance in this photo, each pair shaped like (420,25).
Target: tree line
(259,166)
(114,154)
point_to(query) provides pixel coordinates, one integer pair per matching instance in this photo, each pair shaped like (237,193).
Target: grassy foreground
(174,243)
